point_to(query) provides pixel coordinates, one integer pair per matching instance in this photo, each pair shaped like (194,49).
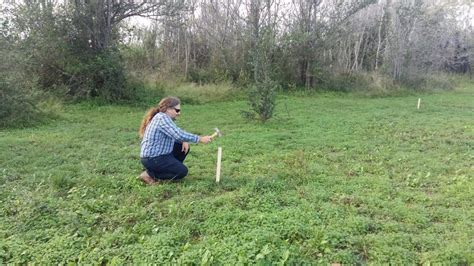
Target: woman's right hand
(205,139)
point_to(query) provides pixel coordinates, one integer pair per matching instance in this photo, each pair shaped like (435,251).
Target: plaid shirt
(160,136)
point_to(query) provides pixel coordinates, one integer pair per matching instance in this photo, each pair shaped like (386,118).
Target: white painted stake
(419,102)
(218,169)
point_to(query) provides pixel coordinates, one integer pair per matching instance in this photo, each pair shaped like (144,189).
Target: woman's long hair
(164,104)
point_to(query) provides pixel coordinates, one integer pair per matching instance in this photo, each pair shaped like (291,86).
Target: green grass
(331,178)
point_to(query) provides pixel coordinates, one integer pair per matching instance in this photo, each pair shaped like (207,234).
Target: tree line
(306,42)
(79,49)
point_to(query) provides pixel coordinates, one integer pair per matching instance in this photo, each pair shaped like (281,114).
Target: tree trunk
(379,38)
(308,83)
(186,52)
(357,51)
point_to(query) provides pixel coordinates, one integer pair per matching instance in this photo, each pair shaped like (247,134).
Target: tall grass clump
(379,84)
(151,88)
(442,81)
(199,94)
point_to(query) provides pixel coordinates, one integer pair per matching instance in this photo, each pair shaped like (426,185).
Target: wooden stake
(218,169)
(419,102)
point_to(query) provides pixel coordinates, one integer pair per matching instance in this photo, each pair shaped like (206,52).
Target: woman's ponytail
(146,120)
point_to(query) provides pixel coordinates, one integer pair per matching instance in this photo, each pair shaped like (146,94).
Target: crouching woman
(164,145)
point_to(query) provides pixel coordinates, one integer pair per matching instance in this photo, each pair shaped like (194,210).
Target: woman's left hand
(185,148)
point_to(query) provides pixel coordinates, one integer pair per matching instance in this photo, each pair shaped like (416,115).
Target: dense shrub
(54,47)
(135,58)
(17,103)
(101,75)
(262,102)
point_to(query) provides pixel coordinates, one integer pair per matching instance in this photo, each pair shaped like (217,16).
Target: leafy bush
(146,93)
(262,102)
(56,51)
(135,58)
(199,75)
(100,75)
(17,103)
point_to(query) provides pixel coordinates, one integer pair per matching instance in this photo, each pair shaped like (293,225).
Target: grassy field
(330,179)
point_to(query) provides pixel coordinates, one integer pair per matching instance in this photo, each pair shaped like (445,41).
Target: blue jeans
(168,166)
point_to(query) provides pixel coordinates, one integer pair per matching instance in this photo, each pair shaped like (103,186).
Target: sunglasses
(177,110)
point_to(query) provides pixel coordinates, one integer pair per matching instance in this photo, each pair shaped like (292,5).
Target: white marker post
(419,102)
(218,169)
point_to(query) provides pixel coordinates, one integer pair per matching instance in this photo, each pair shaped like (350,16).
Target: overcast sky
(464,13)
